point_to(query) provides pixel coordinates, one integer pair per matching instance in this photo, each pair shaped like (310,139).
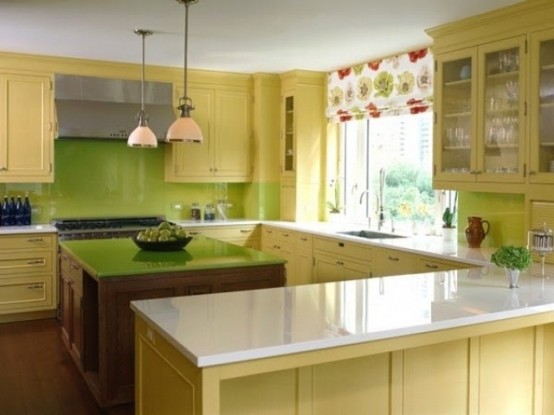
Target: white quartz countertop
(10,230)
(232,327)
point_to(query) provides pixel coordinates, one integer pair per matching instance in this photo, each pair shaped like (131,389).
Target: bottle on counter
(12,211)
(195,213)
(18,212)
(27,210)
(209,212)
(5,215)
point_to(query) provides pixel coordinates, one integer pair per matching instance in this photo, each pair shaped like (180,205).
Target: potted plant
(448,226)
(334,206)
(513,259)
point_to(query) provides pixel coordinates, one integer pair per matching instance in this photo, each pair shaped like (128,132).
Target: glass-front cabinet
(542,114)
(481,113)
(288,144)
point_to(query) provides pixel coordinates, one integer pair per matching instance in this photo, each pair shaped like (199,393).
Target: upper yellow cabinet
(224,116)
(302,135)
(542,105)
(26,130)
(494,100)
(480,105)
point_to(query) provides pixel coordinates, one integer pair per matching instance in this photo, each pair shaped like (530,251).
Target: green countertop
(121,257)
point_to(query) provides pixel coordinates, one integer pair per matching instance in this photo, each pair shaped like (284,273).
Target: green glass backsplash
(107,178)
(504,212)
(262,200)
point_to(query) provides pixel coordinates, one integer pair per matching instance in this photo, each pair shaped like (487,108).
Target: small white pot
(449,235)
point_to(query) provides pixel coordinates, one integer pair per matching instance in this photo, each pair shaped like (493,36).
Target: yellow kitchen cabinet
(430,264)
(295,247)
(26,128)
(224,116)
(337,260)
(28,286)
(304,261)
(480,105)
(542,107)
(242,235)
(302,137)
(392,262)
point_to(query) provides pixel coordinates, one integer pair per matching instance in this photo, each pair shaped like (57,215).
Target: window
(397,151)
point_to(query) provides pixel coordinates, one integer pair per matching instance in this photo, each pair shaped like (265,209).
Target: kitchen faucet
(381,222)
(366,192)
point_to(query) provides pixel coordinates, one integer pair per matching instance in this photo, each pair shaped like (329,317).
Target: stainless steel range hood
(101,108)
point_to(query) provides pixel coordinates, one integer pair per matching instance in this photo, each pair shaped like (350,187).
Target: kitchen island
(437,343)
(99,279)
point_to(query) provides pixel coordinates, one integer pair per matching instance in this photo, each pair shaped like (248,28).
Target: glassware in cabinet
(542,132)
(289,136)
(455,123)
(503,106)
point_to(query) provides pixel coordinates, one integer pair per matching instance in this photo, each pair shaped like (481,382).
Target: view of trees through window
(386,164)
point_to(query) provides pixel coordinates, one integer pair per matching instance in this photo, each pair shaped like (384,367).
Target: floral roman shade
(401,84)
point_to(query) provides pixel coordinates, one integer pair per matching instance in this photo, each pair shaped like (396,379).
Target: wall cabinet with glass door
(224,116)
(542,107)
(481,108)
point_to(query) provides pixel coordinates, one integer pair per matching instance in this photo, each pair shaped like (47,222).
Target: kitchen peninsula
(435,343)
(99,279)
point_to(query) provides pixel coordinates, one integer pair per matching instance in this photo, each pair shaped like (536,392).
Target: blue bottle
(18,213)
(27,210)
(12,211)
(5,215)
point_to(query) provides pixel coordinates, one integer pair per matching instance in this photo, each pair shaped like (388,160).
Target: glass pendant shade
(142,136)
(185,129)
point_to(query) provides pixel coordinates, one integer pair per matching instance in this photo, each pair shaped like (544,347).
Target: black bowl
(163,245)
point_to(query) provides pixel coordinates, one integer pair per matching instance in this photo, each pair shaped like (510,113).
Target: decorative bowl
(163,245)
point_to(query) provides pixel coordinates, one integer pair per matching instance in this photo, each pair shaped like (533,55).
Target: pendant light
(142,136)
(185,129)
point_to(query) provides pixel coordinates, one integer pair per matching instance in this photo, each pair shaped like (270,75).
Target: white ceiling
(239,36)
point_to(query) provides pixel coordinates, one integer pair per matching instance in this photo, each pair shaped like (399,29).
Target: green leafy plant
(335,206)
(514,257)
(448,218)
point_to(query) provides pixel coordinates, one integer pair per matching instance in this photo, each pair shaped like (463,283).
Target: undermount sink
(371,234)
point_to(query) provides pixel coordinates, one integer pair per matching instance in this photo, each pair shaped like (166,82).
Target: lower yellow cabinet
(27,276)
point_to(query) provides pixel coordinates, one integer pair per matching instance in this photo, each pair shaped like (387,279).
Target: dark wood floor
(38,377)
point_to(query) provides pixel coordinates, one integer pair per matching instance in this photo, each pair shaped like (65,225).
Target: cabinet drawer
(26,294)
(22,262)
(226,232)
(392,262)
(28,241)
(303,241)
(343,248)
(286,240)
(425,264)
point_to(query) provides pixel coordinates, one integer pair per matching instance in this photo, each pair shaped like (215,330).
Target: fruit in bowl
(165,237)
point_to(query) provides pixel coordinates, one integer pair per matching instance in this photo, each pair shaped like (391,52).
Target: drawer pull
(74,266)
(393,258)
(35,240)
(341,244)
(276,247)
(245,231)
(3,168)
(268,231)
(35,262)
(303,238)
(194,233)
(339,263)
(431,266)
(35,286)
(286,235)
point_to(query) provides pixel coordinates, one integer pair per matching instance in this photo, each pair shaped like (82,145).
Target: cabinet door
(26,136)
(288,147)
(76,298)
(542,107)
(501,133)
(455,132)
(65,298)
(326,269)
(190,161)
(233,136)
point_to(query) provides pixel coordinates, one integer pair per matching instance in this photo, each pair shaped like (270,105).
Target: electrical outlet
(178,206)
